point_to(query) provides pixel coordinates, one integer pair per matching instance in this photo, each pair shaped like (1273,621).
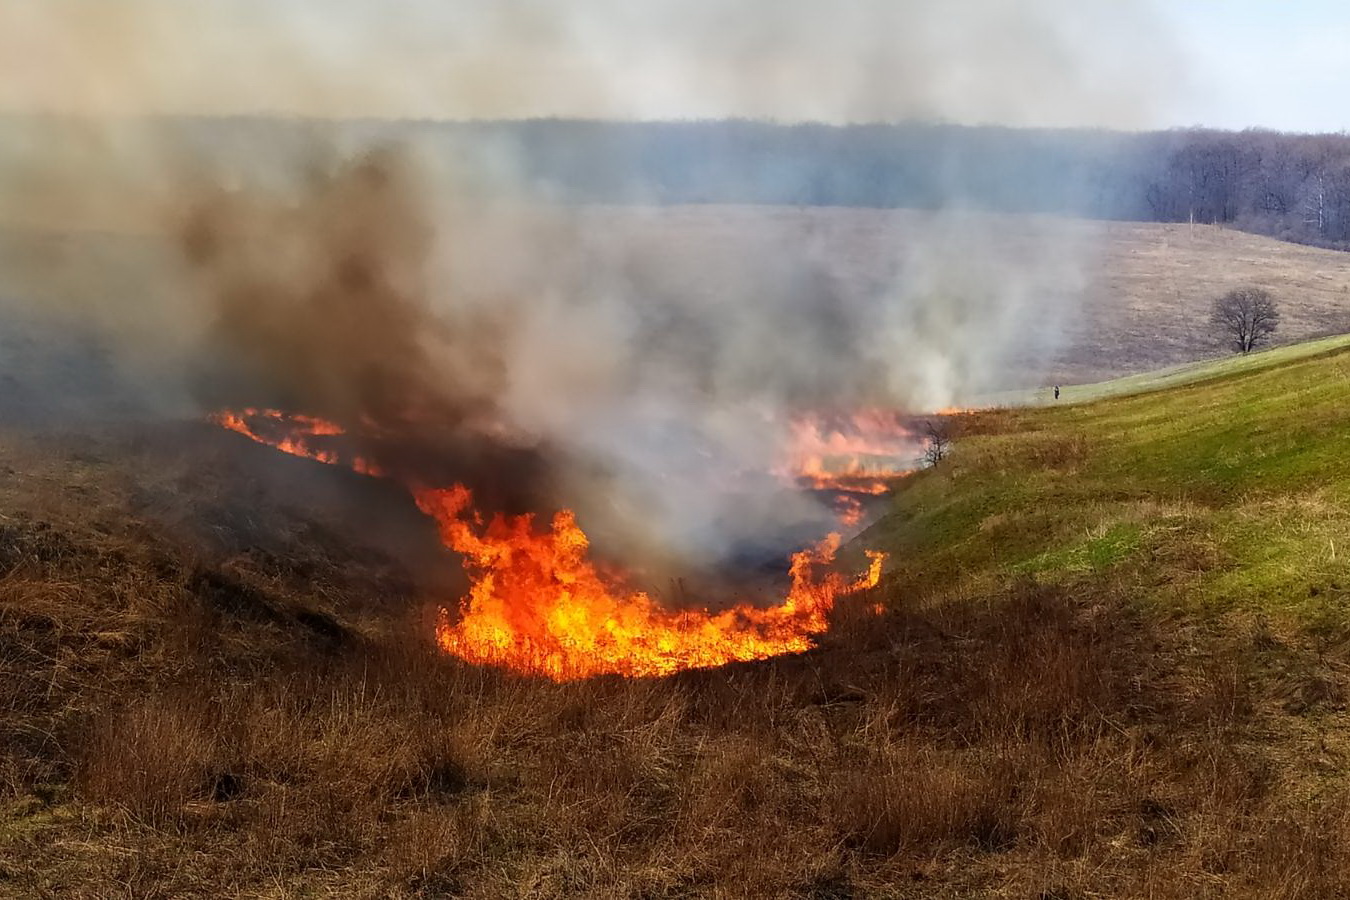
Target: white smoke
(1016,62)
(661,353)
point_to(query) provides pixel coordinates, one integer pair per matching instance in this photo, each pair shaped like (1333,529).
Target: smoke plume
(1017,62)
(642,365)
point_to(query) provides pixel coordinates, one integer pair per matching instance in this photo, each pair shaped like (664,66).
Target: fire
(291,433)
(859,453)
(538,604)
(849,509)
(851,457)
(851,477)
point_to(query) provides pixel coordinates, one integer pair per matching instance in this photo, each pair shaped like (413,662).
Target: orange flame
(854,455)
(537,603)
(294,434)
(849,509)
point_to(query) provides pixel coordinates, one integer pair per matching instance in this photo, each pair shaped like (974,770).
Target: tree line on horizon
(1294,187)
(1290,186)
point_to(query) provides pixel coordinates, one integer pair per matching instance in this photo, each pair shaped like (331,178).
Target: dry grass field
(1149,301)
(1134,296)
(1111,659)
(1107,299)
(229,716)
(1103,669)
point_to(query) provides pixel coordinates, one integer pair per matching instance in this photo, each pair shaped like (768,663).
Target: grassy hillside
(1114,660)
(1172,376)
(1234,477)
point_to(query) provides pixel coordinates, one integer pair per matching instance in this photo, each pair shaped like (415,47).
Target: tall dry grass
(177,723)
(1039,746)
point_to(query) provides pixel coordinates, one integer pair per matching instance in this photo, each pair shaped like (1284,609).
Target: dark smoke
(643,366)
(507,354)
(320,304)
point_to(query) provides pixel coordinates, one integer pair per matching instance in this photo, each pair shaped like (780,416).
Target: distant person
(1056,392)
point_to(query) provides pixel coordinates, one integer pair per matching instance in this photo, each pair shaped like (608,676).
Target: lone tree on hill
(938,441)
(1246,317)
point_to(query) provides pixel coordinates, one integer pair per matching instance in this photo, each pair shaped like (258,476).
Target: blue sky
(1247,63)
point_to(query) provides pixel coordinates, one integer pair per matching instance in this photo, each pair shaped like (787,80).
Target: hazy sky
(1265,63)
(1123,63)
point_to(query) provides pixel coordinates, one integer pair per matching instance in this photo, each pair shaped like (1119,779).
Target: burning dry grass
(1038,747)
(182,717)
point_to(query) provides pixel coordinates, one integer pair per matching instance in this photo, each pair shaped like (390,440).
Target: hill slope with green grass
(1217,487)
(1172,376)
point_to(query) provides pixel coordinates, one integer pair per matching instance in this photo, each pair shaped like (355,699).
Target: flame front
(538,604)
(849,457)
(849,509)
(292,433)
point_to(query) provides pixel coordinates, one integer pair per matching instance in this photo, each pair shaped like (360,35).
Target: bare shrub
(937,440)
(1245,318)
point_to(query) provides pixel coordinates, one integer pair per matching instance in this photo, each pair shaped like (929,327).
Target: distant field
(1144,303)
(1106,299)
(1149,301)
(1172,376)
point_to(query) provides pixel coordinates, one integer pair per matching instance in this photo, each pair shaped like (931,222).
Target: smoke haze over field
(442,309)
(656,403)
(1043,62)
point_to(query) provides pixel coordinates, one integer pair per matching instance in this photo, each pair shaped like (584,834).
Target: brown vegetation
(186,714)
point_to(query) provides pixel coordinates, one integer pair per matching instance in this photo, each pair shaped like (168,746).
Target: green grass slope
(1172,376)
(1214,487)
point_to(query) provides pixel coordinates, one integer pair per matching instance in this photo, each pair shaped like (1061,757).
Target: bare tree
(1246,317)
(938,441)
